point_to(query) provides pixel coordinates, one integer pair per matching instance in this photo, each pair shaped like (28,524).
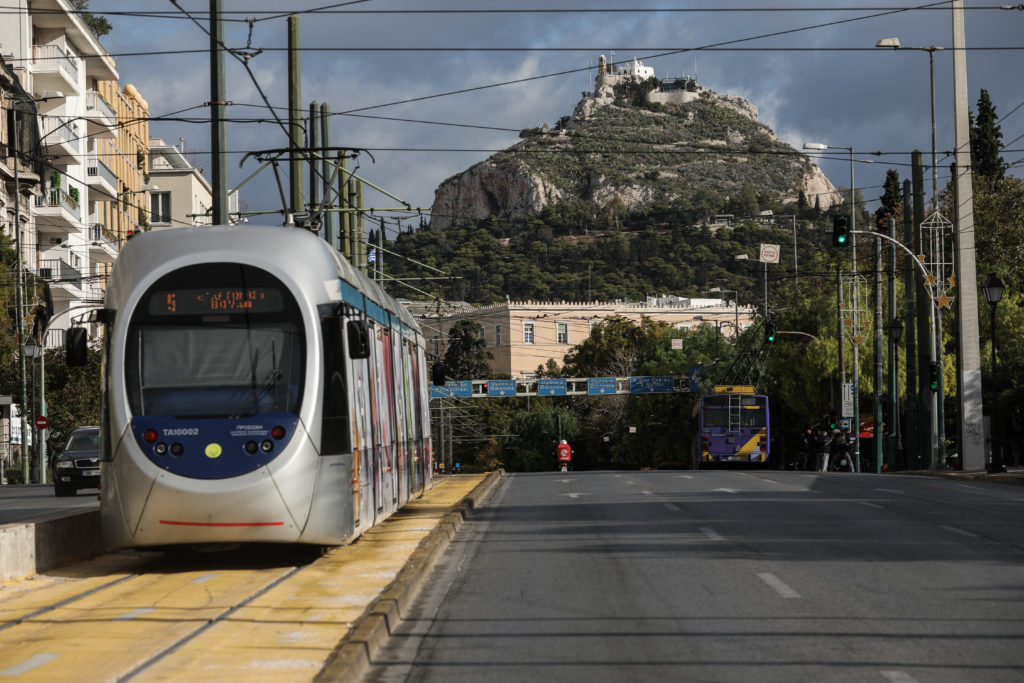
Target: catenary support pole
(967,283)
(218,124)
(910,330)
(296,202)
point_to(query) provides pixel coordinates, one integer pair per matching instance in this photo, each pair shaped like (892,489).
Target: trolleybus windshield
(215,340)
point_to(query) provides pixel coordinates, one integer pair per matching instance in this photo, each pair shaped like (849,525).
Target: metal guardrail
(58,269)
(56,197)
(97,169)
(96,102)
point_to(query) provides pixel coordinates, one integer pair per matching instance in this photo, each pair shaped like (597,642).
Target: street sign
(549,386)
(501,387)
(600,385)
(770,253)
(847,400)
(42,422)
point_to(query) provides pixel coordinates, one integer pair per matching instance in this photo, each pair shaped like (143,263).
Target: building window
(160,207)
(437,345)
(562,332)
(497,334)
(527,333)
(483,334)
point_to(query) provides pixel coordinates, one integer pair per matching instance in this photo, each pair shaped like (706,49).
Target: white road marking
(647,493)
(899,677)
(673,507)
(683,476)
(564,481)
(778,585)
(204,579)
(962,532)
(33,662)
(711,534)
(134,613)
(871,505)
(574,495)
(726,490)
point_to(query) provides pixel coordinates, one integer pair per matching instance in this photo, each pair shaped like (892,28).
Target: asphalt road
(37,502)
(725,576)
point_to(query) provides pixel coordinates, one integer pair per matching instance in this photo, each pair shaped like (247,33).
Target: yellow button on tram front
(213,450)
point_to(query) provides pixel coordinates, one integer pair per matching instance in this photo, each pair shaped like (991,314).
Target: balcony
(58,211)
(100,115)
(60,136)
(103,245)
(62,274)
(100,178)
(53,68)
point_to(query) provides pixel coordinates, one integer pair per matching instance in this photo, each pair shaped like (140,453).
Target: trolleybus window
(230,344)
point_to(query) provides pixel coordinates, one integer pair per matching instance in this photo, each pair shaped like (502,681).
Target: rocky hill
(667,146)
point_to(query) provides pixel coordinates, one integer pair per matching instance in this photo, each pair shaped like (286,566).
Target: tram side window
(335,437)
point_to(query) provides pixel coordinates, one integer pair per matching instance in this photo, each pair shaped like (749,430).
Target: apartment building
(85,138)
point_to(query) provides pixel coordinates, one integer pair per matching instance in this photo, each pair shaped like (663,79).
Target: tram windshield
(215,340)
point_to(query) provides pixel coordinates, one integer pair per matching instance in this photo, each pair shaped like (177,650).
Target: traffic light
(933,376)
(833,420)
(769,331)
(840,231)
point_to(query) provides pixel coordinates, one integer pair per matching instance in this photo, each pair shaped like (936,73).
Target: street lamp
(993,289)
(855,430)
(894,43)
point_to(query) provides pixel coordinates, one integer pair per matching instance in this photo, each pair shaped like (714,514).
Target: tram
(732,427)
(256,388)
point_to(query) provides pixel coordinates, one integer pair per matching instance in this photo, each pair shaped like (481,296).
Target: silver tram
(257,388)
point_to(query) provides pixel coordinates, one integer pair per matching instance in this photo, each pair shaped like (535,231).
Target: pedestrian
(836,449)
(805,449)
(822,443)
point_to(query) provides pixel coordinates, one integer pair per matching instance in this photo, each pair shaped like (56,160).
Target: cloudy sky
(432,92)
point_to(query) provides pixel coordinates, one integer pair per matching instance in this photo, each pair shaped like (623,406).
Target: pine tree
(99,25)
(986,142)
(891,199)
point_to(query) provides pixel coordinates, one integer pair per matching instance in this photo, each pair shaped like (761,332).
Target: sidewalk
(1013,475)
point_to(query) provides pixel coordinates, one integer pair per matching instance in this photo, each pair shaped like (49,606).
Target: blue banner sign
(600,385)
(457,388)
(548,386)
(501,387)
(650,385)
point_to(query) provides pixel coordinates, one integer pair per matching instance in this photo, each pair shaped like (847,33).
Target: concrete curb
(34,547)
(1015,477)
(355,653)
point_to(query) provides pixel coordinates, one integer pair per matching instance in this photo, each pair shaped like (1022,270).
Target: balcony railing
(60,270)
(55,197)
(95,101)
(54,54)
(98,169)
(99,233)
(60,128)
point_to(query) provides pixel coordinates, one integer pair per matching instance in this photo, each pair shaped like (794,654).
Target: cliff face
(683,145)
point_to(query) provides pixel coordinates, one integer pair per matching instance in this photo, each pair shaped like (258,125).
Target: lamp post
(145,188)
(993,289)
(855,428)
(34,349)
(895,332)
(894,43)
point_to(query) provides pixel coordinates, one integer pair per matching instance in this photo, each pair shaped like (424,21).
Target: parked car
(78,465)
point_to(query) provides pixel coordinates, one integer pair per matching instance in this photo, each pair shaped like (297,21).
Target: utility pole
(295,116)
(218,136)
(879,432)
(971,420)
(909,329)
(328,219)
(316,195)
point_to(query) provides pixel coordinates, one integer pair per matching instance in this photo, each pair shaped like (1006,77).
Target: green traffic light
(841,239)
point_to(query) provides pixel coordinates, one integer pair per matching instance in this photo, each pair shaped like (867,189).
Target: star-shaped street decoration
(929,279)
(848,322)
(943,301)
(859,339)
(952,281)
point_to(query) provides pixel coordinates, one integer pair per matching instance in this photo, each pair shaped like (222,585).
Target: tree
(986,142)
(467,355)
(99,25)
(892,198)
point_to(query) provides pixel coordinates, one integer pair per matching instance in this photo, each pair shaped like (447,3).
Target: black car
(78,465)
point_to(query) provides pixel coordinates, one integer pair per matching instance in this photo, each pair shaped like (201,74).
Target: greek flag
(372,257)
